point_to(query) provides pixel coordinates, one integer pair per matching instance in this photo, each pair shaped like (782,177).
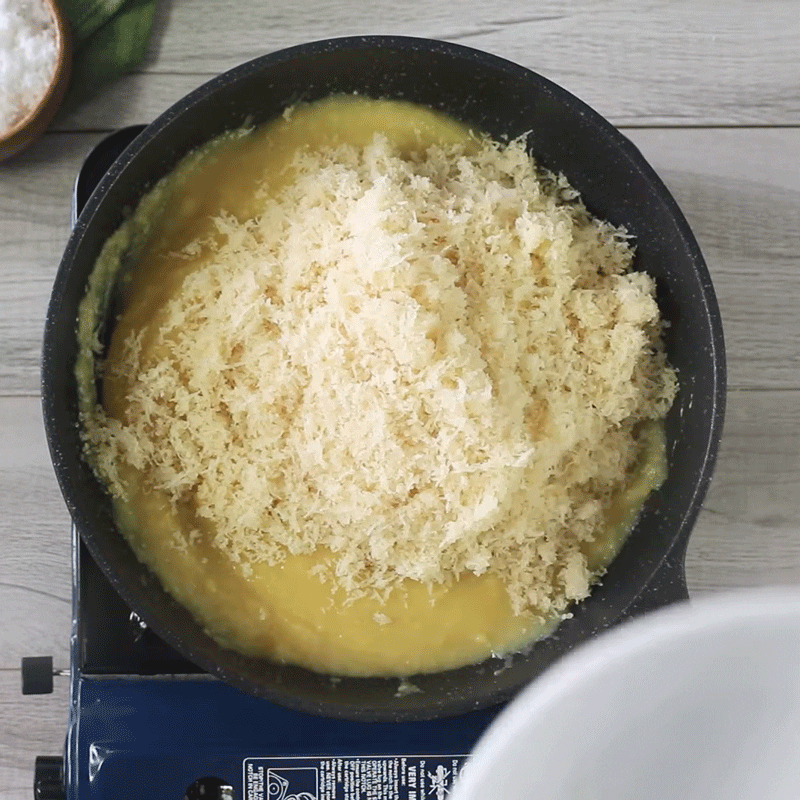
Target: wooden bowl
(33,125)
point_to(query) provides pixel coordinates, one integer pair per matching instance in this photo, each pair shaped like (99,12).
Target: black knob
(48,780)
(37,675)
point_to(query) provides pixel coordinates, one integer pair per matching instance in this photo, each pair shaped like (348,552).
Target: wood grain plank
(34,227)
(748,533)
(686,62)
(35,577)
(29,727)
(740,190)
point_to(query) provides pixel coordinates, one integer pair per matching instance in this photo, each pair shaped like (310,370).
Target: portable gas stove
(146,724)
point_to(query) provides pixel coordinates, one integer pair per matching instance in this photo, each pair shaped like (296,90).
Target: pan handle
(96,164)
(667,586)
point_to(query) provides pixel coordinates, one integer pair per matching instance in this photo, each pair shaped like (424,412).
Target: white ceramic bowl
(700,701)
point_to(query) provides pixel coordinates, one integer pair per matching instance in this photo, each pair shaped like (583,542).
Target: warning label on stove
(351,777)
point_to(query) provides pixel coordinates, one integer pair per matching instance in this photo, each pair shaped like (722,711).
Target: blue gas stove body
(144,723)
(158,737)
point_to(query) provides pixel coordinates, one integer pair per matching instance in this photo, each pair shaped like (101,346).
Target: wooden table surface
(709,91)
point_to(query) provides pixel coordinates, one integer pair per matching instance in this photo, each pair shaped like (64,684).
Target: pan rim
(341,709)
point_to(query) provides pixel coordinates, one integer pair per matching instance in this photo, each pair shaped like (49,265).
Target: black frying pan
(565,135)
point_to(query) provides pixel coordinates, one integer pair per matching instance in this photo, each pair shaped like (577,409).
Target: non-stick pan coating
(505,101)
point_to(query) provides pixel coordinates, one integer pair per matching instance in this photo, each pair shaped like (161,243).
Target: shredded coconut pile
(28,56)
(428,365)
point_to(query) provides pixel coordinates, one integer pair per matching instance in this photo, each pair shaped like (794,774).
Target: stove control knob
(48,781)
(37,675)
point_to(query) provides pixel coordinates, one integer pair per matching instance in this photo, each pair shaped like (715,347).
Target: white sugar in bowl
(35,61)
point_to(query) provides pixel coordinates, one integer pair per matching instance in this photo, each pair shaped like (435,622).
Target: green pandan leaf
(117,46)
(86,16)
